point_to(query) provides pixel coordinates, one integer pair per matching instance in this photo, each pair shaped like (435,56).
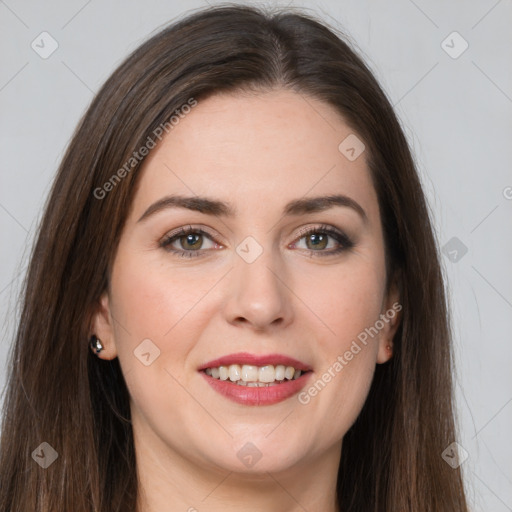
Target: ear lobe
(102,327)
(392,317)
(386,345)
(387,334)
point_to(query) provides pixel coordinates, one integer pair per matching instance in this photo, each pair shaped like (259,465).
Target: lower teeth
(257,384)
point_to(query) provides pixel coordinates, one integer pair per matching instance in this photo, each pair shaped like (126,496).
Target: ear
(103,327)
(390,317)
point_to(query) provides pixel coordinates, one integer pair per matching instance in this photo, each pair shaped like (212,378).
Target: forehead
(246,148)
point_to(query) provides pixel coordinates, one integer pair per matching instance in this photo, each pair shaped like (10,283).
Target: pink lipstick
(256,392)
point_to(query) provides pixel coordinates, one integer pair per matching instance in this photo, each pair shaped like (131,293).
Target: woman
(235,298)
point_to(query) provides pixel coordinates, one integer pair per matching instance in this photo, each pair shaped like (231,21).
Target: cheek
(347,300)
(160,310)
(151,299)
(152,307)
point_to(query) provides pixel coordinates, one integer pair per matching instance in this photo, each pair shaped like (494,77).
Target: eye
(190,240)
(317,239)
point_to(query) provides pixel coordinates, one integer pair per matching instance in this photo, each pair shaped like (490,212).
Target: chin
(259,459)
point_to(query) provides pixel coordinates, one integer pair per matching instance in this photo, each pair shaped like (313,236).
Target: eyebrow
(218,208)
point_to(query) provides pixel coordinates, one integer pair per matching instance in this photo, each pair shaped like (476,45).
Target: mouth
(256,380)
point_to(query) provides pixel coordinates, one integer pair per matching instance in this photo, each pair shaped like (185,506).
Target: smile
(252,380)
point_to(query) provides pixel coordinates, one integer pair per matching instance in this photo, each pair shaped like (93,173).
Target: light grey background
(456,113)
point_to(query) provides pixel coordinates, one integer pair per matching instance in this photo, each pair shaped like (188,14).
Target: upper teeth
(248,373)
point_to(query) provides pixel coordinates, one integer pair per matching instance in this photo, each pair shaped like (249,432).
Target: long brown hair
(58,392)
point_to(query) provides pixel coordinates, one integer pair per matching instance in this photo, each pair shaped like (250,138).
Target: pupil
(190,239)
(316,239)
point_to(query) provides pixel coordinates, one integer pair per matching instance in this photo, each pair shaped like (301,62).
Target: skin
(257,151)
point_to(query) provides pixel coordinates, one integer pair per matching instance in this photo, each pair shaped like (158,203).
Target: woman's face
(254,283)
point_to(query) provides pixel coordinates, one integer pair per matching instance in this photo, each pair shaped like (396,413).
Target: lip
(256,360)
(257,396)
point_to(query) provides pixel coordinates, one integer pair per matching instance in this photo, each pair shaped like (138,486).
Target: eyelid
(184,231)
(340,236)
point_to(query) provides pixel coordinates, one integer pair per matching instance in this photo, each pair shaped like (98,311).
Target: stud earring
(388,348)
(95,344)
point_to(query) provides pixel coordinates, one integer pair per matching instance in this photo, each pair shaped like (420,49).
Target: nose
(258,294)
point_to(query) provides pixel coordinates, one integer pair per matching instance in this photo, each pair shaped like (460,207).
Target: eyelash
(344,241)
